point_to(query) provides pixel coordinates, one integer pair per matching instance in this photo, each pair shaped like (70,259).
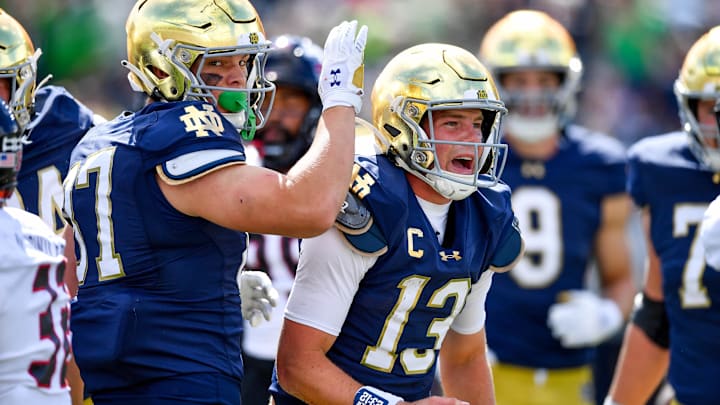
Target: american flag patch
(7,160)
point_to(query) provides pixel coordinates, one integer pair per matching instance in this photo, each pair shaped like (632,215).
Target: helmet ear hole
(157,72)
(394,132)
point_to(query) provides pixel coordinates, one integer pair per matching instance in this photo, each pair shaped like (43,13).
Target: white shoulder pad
(191,165)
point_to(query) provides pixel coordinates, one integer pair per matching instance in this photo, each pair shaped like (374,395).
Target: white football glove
(584,319)
(342,74)
(258,296)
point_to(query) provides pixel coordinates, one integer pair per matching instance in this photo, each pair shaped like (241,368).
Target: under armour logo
(335,81)
(454,256)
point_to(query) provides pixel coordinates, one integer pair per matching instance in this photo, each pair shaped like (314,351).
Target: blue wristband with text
(372,396)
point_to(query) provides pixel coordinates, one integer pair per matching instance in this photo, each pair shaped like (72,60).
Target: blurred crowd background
(631,49)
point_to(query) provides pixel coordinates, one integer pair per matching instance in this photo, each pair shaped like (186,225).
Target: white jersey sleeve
(327,277)
(34,312)
(472,317)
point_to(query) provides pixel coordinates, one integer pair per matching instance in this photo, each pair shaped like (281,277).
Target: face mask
(531,129)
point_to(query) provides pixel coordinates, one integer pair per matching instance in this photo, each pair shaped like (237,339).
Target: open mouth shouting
(465,164)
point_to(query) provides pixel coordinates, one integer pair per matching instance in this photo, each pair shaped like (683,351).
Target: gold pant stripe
(529,386)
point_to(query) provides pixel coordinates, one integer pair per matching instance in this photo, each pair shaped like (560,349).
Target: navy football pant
(196,389)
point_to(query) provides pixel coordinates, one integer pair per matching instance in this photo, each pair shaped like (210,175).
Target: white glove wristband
(368,395)
(342,98)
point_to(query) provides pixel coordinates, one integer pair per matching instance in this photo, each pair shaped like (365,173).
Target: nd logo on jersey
(202,121)
(361,184)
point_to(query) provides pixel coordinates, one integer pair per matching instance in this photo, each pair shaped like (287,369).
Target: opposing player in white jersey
(34,301)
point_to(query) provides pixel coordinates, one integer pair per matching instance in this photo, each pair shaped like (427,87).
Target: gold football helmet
(173,35)
(427,78)
(18,64)
(532,40)
(699,79)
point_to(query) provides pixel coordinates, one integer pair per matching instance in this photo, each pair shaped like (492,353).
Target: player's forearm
(622,292)
(612,253)
(75,382)
(471,382)
(641,367)
(614,263)
(315,379)
(322,177)
(70,276)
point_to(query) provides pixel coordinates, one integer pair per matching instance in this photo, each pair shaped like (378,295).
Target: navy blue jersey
(57,126)
(158,289)
(408,299)
(667,178)
(558,205)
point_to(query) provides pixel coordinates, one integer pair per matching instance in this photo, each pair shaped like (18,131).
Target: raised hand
(342,74)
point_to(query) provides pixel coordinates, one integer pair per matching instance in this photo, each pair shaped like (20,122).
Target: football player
(710,228)
(673,177)
(160,201)
(402,277)
(55,121)
(34,302)
(294,66)
(569,196)
(710,233)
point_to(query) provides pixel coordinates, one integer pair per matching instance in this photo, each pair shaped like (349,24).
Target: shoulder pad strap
(354,217)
